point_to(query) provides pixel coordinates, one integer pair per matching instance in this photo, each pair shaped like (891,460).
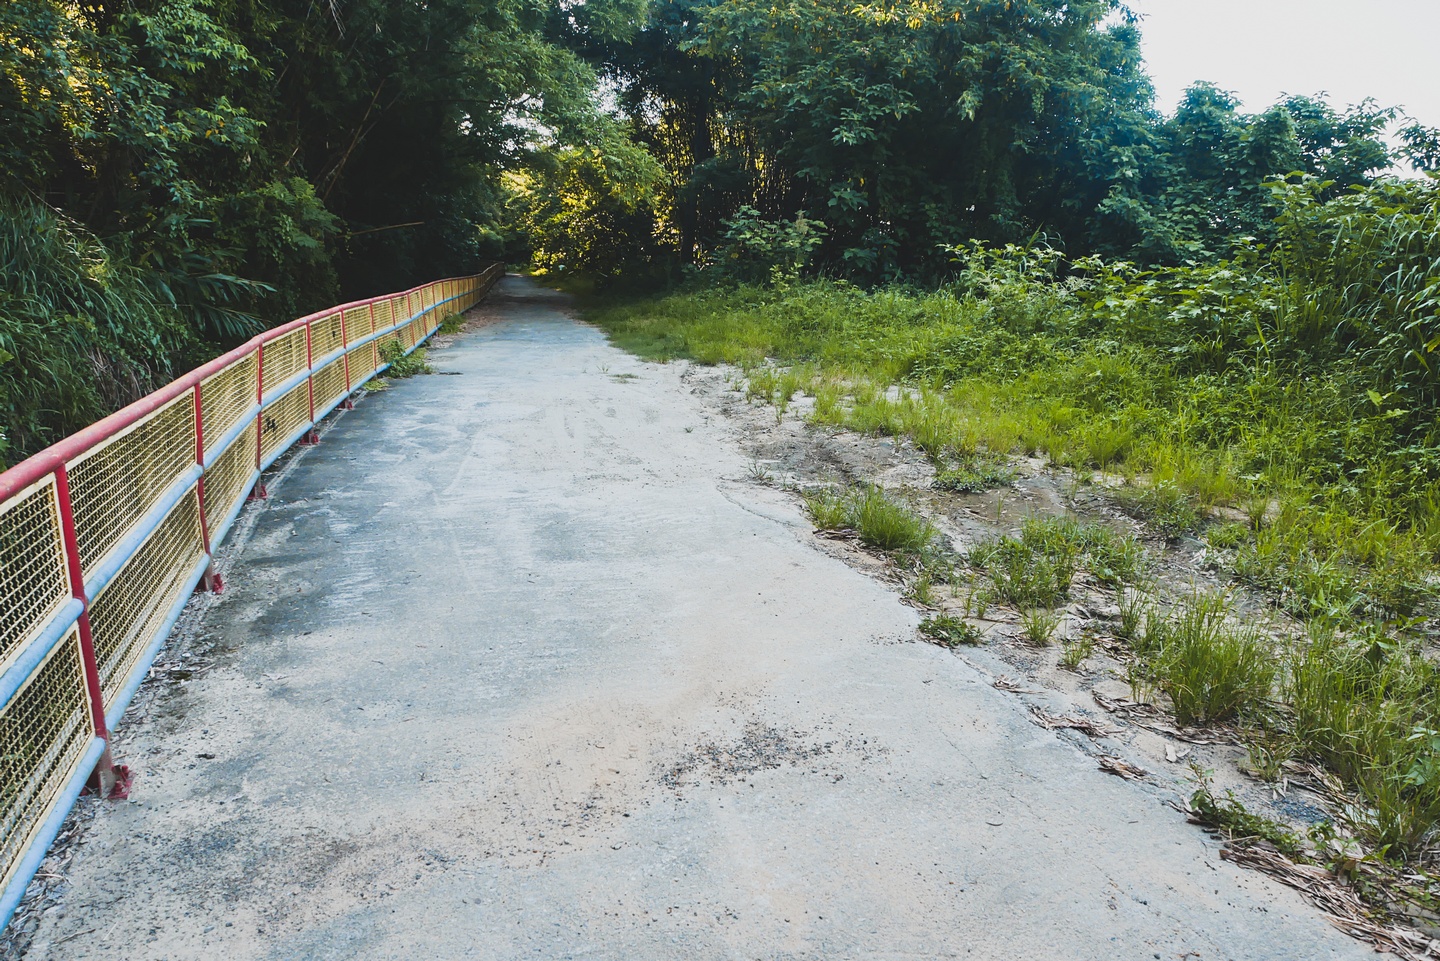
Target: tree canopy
(912,127)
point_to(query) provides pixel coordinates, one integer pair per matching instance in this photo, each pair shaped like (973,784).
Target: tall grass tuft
(1210,668)
(878,519)
(1036,569)
(1369,708)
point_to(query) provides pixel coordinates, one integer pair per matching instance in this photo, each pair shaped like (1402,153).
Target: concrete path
(518,664)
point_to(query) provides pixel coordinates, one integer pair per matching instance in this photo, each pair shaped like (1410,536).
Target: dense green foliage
(911,128)
(204,168)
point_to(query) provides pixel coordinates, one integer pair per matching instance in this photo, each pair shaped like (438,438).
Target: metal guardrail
(105,535)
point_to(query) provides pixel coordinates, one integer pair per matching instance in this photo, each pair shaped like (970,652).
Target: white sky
(1261,49)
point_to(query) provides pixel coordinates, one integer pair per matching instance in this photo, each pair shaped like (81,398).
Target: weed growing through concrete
(1039,624)
(1367,707)
(829,510)
(921,590)
(974,474)
(947,630)
(1211,668)
(1164,506)
(1229,818)
(1133,605)
(1076,651)
(890,525)
(1036,568)
(403,365)
(452,324)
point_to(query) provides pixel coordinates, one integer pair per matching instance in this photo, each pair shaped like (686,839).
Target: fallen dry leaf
(1121,767)
(1076,722)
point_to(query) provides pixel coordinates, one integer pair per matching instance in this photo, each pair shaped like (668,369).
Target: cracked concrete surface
(518,664)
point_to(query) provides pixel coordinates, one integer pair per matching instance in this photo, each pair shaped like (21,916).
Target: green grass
(1369,708)
(948,630)
(403,365)
(1164,506)
(877,519)
(452,324)
(1036,568)
(1211,668)
(828,509)
(974,474)
(1039,624)
(1076,651)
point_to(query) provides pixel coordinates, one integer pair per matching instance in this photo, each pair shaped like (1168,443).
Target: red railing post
(345,358)
(113,780)
(259,493)
(311,436)
(210,580)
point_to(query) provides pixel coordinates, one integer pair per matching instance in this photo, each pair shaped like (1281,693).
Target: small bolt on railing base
(259,493)
(348,404)
(109,780)
(310,439)
(210,582)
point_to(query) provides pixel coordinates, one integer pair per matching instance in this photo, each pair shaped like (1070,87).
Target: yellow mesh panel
(357,324)
(225,480)
(225,397)
(420,327)
(129,612)
(284,417)
(34,581)
(400,310)
(325,336)
(283,358)
(384,311)
(362,362)
(329,384)
(44,732)
(113,484)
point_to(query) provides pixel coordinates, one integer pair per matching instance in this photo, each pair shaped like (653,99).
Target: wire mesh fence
(105,535)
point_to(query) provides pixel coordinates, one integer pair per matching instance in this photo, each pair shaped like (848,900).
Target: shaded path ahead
(516,664)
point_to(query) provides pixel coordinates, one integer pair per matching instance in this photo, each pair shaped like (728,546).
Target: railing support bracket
(109,780)
(210,582)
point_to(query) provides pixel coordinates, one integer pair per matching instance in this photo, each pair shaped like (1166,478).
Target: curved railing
(104,536)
